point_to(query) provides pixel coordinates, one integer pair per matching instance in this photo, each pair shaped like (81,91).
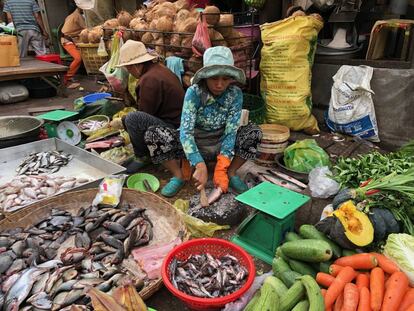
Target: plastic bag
(201,41)
(240,303)
(116,76)
(196,227)
(102,49)
(351,108)
(286,64)
(320,184)
(110,190)
(304,155)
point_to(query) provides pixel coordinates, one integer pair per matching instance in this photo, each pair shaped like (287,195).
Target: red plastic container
(51,58)
(217,248)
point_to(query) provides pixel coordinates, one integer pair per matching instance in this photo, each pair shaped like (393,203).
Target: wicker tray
(90,57)
(167,222)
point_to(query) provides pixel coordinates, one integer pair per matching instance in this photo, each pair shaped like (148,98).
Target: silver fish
(40,284)
(40,301)
(21,289)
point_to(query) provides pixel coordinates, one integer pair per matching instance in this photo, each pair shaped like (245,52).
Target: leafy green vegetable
(350,172)
(400,249)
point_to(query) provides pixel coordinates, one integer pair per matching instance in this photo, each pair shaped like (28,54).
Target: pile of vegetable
(380,181)
(347,280)
(366,281)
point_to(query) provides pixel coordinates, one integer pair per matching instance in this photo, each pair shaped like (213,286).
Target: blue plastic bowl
(91,98)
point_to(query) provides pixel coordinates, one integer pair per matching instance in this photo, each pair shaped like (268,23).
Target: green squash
(380,227)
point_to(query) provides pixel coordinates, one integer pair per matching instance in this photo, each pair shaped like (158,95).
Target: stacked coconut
(169,28)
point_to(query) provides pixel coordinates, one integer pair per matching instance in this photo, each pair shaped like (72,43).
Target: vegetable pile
(381,181)
(365,281)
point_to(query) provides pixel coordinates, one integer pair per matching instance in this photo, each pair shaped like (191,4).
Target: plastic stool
(51,58)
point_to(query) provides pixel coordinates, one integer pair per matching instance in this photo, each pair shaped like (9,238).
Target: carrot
(376,287)
(339,303)
(386,264)
(407,300)
(364,300)
(410,308)
(324,279)
(398,285)
(362,280)
(358,261)
(334,269)
(351,297)
(346,275)
(323,292)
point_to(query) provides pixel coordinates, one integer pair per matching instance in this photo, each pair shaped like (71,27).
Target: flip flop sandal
(171,189)
(237,184)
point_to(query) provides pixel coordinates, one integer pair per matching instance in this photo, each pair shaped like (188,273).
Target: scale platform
(263,231)
(66,130)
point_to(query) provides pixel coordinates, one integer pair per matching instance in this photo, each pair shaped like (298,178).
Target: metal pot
(15,130)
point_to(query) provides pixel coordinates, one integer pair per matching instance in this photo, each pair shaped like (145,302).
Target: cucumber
(278,285)
(266,298)
(348,252)
(279,266)
(310,250)
(289,277)
(280,254)
(316,302)
(310,232)
(295,293)
(292,236)
(301,267)
(302,306)
(324,266)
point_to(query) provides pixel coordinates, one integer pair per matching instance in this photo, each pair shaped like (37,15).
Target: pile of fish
(24,190)
(43,162)
(48,265)
(92,125)
(208,277)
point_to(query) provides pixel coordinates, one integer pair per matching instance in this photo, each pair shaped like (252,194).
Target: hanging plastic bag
(201,40)
(110,190)
(116,76)
(102,49)
(351,108)
(196,227)
(320,184)
(303,156)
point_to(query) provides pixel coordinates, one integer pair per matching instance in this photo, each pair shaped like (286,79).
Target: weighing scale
(263,231)
(64,130)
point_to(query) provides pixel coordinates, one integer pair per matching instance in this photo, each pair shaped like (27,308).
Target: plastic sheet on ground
(195,226)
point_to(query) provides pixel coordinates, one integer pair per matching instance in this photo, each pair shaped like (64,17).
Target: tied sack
(286,66)
(351,108)
(9,51)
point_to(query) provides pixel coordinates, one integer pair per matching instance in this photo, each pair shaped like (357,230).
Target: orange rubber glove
(220,178)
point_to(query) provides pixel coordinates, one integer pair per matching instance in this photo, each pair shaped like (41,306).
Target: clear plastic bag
(201,41)
(102,49)
(110,190)
(240,303)
(321,185)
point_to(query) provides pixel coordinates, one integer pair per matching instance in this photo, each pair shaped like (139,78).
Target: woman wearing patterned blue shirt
(209,128)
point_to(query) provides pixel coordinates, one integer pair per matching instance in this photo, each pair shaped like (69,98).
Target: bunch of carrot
(365,282)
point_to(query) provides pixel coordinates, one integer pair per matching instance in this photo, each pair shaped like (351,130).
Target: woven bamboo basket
(91,60)
(167,222)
